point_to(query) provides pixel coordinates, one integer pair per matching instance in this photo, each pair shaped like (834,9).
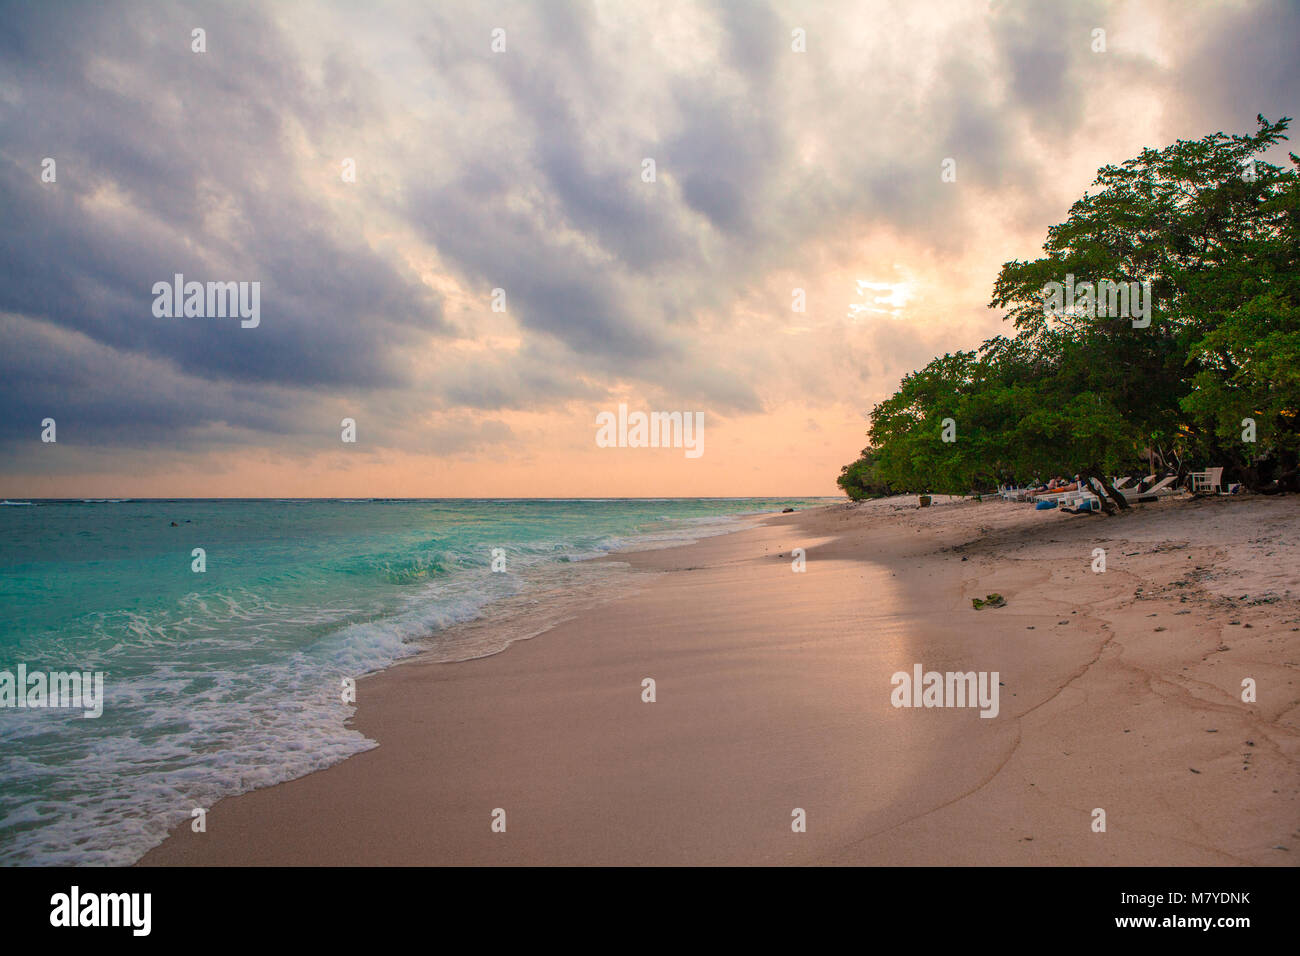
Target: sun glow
(883,298)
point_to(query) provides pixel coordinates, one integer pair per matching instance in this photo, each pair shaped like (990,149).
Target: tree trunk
(1106,506)
(1120,501)
(1250,477)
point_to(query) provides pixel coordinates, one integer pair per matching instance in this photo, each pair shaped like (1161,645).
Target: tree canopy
(1178,330)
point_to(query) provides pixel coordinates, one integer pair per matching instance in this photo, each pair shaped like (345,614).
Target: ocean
(220,681)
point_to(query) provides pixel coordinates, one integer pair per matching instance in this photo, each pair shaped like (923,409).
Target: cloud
(522,171)
(1248,65)
(175,162)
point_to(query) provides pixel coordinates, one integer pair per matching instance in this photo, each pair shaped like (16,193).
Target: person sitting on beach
(1057,484)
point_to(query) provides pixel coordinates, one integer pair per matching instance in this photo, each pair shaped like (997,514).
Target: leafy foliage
(1078,392)
(861,479)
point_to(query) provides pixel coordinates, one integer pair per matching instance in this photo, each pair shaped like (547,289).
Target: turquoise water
(226,680)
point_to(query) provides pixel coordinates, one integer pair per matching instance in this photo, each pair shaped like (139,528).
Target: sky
(502,268)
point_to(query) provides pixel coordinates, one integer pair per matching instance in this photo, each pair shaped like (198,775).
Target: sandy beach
(1119,690)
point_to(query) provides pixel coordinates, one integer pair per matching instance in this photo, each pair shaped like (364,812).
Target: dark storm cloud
(1254,51)
(175,162)
(608,265)
(722,154)
(1042,47)
(554,285)
(100,396)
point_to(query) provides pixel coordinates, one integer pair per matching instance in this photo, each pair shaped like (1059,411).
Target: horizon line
(128,499)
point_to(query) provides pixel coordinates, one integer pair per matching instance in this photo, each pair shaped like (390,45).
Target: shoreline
(517,617)
(773,693)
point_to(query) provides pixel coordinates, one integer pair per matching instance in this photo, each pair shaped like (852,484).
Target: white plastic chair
(1206,482)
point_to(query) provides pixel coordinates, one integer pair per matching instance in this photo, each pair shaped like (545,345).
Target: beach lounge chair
(1161,489)
(1086,498)
(1063,495)
(1084,505)
(1206,482)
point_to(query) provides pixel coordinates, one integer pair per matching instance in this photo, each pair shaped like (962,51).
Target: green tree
(861,479)
(1213,230)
